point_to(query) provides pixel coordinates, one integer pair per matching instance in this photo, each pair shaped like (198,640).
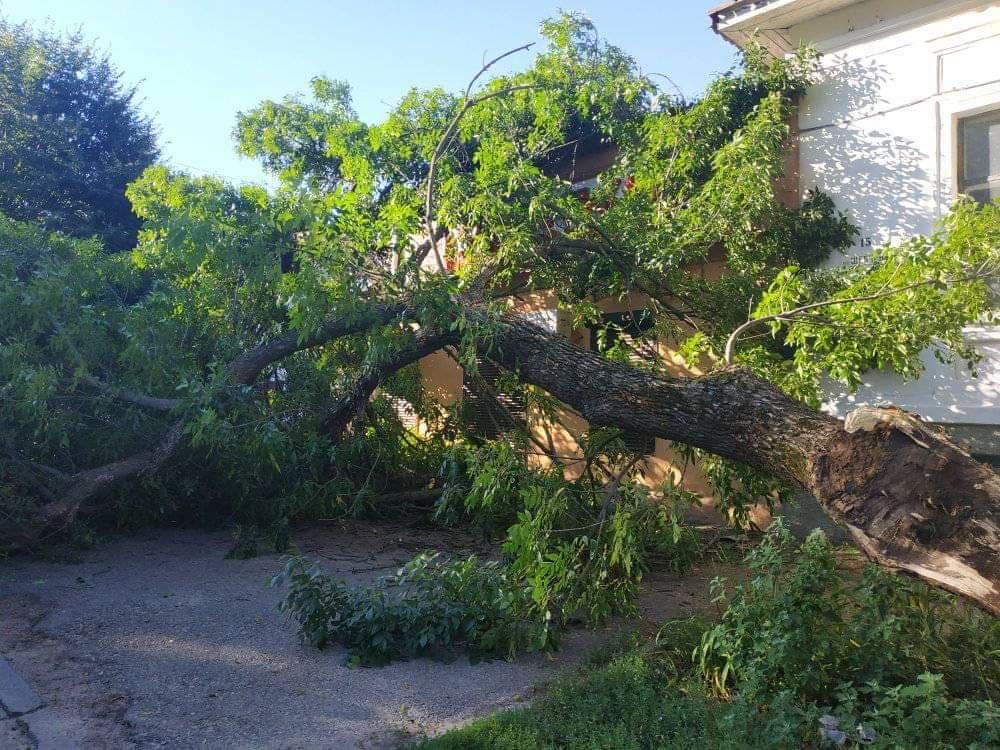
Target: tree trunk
(912,500)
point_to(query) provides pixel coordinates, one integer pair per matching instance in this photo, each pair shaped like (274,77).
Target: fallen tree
(276,320)
(912,499)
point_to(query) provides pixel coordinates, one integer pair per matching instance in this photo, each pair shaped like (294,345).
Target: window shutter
(489,408)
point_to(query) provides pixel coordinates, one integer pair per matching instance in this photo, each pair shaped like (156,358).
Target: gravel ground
(157,641)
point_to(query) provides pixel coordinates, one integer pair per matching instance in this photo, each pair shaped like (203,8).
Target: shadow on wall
(872,155)
(943,393)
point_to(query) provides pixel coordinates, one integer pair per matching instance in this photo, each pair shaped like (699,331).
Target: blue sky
(199,62)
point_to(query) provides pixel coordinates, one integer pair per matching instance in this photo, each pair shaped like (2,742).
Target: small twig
(398,564)
(611,488)
(668,79)
(445,141)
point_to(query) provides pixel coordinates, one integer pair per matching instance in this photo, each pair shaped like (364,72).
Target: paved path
(156,641)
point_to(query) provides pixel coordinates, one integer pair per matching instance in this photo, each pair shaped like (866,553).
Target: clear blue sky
(199,62)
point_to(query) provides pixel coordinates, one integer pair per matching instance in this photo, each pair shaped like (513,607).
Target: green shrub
(626,704)
(798,625)
(803,657)
(918,714)
(631,701)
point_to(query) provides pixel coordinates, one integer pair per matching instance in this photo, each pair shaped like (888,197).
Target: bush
(801,658)
(798,626)
(920,714)
(641,697)
(627,703)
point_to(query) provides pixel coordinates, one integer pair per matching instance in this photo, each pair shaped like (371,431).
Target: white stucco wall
(878,135)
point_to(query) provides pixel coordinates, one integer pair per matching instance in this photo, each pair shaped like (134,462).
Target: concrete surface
(16,696)
(156,641)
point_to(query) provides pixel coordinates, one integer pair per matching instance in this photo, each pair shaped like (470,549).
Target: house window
(979,156)
(488,408)
(630,329)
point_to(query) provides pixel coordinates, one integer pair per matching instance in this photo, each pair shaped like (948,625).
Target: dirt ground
(157,641)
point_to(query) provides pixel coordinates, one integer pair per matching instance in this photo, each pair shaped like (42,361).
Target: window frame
(958,119)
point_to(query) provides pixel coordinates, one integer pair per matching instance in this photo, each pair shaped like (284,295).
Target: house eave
(768,20)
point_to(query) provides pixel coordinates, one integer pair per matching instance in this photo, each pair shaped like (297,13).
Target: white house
(905,116)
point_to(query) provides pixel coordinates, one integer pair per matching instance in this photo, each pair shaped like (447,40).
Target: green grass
(628,703)
(632,694)
(634,703)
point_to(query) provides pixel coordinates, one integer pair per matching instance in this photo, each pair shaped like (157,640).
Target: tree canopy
(259,368)
(71,137)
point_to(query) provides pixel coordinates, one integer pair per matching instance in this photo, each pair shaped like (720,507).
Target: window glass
(979,156)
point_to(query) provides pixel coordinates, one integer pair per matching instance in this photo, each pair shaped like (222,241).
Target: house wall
(877,132)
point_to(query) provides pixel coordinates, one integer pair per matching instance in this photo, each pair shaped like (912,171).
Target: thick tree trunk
(913,501)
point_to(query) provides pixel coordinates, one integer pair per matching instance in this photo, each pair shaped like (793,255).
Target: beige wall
(442,377)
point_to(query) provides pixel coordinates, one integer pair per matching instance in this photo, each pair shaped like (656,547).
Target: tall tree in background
(71,137)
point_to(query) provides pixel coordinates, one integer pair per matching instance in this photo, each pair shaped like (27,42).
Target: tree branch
(799,311)
(84,485)
(123,394)
(445,142)
(245,368)
(133,397)
(376,370)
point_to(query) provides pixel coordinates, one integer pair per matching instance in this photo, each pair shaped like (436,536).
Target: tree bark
(245,368)
(374,373)
(83,486)
(912,500)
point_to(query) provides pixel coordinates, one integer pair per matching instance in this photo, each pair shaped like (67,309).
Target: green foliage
(737,488)
(798,626)
(631,703)
(944,286)
(162,320)
(804,658)
(60,302)
(72,137)
(431,607)
(219,270)
(483,485)
(571,552)
(626,704)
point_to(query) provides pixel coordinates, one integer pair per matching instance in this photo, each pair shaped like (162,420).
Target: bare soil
(157,641)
